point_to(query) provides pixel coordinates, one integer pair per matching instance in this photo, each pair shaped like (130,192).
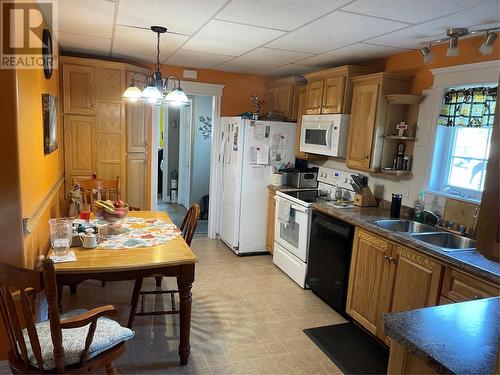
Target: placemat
(138,232)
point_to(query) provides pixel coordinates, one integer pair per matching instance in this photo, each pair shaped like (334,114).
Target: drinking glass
(85,211)
(60,236)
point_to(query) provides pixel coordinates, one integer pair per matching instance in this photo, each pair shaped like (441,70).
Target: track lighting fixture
(427,55)
(452,37)
(487,46)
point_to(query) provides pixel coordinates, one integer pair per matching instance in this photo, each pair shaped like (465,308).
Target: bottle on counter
(419,207)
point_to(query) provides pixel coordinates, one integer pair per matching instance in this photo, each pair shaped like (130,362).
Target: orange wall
(237,87)
(411,63)
(38,172)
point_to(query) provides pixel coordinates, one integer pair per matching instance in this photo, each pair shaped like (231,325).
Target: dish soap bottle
(419,207)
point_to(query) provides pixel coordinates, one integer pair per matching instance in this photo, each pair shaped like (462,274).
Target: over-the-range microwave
(324,134)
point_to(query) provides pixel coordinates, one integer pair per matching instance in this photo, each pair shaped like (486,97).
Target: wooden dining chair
(79,341)
(95,188)
(188,229)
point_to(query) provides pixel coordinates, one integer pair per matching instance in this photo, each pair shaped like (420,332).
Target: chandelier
(156,90)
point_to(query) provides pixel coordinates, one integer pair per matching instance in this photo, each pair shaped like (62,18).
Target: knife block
(365,199)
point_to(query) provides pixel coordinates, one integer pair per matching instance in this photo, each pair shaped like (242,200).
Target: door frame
(195,88)
(185,154)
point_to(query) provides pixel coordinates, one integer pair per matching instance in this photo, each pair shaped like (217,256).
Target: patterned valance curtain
(472,107)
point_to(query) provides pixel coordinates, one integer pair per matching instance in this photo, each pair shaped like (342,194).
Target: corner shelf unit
(400,107)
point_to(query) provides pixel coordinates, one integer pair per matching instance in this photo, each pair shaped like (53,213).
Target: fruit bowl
(110,211)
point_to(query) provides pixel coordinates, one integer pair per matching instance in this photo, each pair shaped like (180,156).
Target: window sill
(457,197)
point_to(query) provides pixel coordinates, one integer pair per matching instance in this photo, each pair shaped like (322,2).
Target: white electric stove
(291,231)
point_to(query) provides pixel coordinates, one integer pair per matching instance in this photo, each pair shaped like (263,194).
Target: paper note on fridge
(259,172)
(252,155)
(263,155)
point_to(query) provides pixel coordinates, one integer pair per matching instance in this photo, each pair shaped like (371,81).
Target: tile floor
(177,213)
(247,318)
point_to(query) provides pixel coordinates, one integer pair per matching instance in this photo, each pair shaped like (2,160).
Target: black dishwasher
(330,247)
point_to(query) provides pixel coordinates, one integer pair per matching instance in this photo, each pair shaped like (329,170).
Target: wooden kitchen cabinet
(368,118)
(460,287)
(385,277)
(368,279)
(330,91)
(78,89)
(101,130)
(271,213)
(137,180)
(281,96)
(79,159)
(417,280)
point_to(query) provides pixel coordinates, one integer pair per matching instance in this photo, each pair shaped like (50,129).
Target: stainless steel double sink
(428,234)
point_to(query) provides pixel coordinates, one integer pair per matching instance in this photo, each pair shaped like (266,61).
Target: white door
(185,152)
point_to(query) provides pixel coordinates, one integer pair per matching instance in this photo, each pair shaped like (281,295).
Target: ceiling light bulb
(151,92)
(487,46)
(452,46)
(177,97)
(427,55)
(132,92)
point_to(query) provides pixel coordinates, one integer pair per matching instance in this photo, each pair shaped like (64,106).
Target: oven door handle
(298,208)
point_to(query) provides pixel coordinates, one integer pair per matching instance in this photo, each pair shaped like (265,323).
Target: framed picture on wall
(49,108)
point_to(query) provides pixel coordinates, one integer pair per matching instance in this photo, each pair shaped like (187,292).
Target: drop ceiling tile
(351,54)
(485,14)
(227,38)
(335,30)
(283,15)
(267,58)
(288,70)
(179,16)
(89,17)
(195,59)
(130,41)
(84,44)
(410,10)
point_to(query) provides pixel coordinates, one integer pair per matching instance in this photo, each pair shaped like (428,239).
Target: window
(463,141)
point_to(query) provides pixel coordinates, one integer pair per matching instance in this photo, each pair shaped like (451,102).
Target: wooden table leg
(134,301)
(59,297)
(184,282)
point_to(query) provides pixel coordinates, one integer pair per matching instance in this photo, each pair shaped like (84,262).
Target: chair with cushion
(188,228)
(79,341)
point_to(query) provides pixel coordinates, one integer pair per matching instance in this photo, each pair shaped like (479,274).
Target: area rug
(351,349)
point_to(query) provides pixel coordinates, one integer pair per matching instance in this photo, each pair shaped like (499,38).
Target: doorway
(184,155)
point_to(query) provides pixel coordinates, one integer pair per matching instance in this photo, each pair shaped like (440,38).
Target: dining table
(173,258)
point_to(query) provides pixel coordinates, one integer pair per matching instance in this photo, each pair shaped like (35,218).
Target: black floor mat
(350,348)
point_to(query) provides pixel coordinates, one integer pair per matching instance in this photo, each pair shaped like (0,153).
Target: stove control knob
(346,180)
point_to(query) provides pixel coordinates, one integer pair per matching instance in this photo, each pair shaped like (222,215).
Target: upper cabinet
(78,89)
(330,91)
(94,119)
(369,116)
(281,97)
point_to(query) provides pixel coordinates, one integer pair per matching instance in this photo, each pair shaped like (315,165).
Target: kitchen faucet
(434,215)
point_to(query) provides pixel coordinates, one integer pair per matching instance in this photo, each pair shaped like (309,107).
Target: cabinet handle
(367,156)
(391,259)
(386,257)
(91,106)
(476,297)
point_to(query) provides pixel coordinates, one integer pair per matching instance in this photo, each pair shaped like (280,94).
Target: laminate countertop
(471,261)
(460,338)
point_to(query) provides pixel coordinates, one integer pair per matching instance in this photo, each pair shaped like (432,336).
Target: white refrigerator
(248,153)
